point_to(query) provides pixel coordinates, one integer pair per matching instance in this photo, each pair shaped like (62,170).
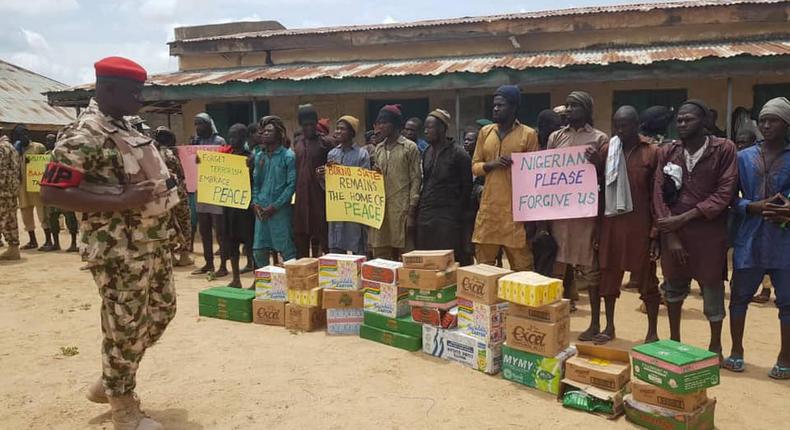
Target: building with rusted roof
(729,53)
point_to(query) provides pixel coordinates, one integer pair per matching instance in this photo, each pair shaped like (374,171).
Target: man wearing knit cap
(762,244)
(398,159)
(446,187)
(494,226)
(311,150)
(104,168)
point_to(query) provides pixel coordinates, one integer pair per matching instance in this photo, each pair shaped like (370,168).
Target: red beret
(119,67)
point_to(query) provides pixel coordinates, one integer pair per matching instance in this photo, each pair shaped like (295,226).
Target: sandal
(733,364)
(779,372)
(602,339)
(588,335)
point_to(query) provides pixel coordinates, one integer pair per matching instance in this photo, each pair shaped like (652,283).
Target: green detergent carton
(533,370)
(233,304)
(391,338)
(675,367)
(442,295)
(404,325)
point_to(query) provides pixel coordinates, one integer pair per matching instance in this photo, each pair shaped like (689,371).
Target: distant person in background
(9,193)
(713,128)
(470,141)
(412,130)
(180,219)
(548,122)
(52,218)
(369,145)
(239,223)
(655,122)
(29,202)
(745,138)
(562,111)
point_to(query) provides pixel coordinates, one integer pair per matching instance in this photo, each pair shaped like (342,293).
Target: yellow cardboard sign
(354,194)
(35,164)
(223,180)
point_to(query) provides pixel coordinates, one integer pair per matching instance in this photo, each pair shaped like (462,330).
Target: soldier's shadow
(169,418)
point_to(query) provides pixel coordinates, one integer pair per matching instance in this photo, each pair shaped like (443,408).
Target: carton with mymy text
(529,289)
(271,284)
(533,370)
(385,299)
(656,396)
(453,345)
(310,297)
(435,260)
(599,366)
(483,321)
(301,268)
(542,338)
(340,271)
(269,312)
(427,279)
(381,270)
(553,312)
(339,299)
(343,322)
(658,418)
(478,282)
(304,318)
(675,366)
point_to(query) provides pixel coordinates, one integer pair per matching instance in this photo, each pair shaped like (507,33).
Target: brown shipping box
(478,283)
(599,366)
(427,279)
(304,318)
(538,337)
(340,299)
(436,260)
(301,268)
(653,395)
(269,312)
(553,312)
(302,283)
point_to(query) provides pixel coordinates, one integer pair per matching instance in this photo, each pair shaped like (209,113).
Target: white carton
(271,284)
(340,271)
(452,344)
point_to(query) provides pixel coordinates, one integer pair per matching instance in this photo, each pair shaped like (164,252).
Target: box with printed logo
(269,312)
(478,282)
(310,297)
(546,339)
(529,289)
(391,338)
(339,299)
(435,260)
(271,284)
(343,322)
(675,366)
(304,318)
(340,271)
(533,370)
(435,317)
(483,321)
(451,344)
(385,299)
(553,312)
(380,270)
(301,268)
(444,295)
(427,279)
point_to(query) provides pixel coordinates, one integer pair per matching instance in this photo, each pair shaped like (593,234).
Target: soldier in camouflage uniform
(104,168)
(180,219)
(9,187)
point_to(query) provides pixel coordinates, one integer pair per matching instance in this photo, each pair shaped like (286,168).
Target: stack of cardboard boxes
(226,303)
(340,277)
(537,330)
(271,294)
(430,277)
(477,342)
(303,310)
(670,389)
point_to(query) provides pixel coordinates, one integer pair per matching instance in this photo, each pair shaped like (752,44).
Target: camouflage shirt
(89,159)
(9,169)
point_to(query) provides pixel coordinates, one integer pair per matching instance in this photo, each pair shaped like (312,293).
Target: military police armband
(61,176)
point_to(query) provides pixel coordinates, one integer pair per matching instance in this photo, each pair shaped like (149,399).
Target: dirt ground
(214,374)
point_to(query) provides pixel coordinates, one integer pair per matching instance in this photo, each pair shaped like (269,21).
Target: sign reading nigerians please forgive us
(554,184)
(354,194)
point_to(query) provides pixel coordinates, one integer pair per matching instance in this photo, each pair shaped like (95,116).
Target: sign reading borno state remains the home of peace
(554,184)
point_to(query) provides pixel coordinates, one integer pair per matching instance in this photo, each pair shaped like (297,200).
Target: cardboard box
(404,325)
(271,284)
(391,338)
(435,317)
(310,297)
(380,270)
(553,312)
(340,271)
(533,370)
(440,306)
(436,260)
(529,289)
(599,366)
(478,283)
(301,268)
(658,418)
(653,395)
(427,279)
(614,399)
(456,346)
(675,366)
(443,295)
(483,321)
(387,300)
(542,338)
(338,299)
(269,312)
(304,318)
(233,304)
(303,283)
(343,322)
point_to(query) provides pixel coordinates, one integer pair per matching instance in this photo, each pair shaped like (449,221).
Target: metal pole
(729,108)
(458,115)
(254,111)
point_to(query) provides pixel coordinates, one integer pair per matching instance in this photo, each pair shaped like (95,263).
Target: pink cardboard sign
(554,184)
(186,153)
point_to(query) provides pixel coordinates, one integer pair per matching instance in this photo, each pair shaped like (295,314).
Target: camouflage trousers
(181,222)
(138,302)
(9,229)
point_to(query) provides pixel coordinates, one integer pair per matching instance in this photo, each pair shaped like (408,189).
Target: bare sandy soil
(215,374)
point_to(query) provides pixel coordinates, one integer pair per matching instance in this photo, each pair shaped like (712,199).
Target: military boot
(184,259)
(96,393)
(126,414)
(12,253)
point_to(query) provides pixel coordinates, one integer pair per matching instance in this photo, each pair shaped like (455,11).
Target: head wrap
(391,114)
(511,93)
(307,112)
(323,126)
(778,106)
(207,119)
(352,122)
(656,119)
(701,105)
(278,124)
(443,116)
(119,67)
(584,99)
(483,122)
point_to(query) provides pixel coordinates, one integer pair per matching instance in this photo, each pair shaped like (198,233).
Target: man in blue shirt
(762,243)
(412,130)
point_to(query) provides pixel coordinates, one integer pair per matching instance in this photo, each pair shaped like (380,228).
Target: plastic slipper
(602,339)
(779,372)
(734,364)
(587,336)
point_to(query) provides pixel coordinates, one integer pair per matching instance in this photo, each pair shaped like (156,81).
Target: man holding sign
(29,200)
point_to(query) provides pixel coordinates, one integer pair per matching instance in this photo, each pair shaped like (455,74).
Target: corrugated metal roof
(22,101)
(643,7)
(478,64)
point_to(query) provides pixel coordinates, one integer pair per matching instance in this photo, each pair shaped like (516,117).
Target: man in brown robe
(311,149)
(692,216)
(628,239)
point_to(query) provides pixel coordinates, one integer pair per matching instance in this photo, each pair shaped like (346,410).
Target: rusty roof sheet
(477,64)
(640,7)
(22,101)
